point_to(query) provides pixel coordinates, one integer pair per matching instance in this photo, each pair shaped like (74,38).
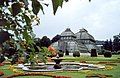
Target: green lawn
(114,62)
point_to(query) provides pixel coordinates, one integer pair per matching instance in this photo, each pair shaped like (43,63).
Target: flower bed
(1,64)
(35,74)
(1,73)
(98,76)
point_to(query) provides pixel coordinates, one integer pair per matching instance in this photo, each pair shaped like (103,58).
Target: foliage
(43,54)
(18,17)
(56,38)
(76,54)
(108,45)
(4,35)
(45,42)
(61,53)
(108,54)
(116,43)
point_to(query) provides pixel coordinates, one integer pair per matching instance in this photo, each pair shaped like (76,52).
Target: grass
(88,58)
(114,62)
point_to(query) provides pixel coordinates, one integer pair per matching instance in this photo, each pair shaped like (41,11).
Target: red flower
(1,64)
(1,73)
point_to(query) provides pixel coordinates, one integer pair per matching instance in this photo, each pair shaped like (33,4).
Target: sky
(101,18)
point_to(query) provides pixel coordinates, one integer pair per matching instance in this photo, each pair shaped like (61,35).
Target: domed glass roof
(83,34)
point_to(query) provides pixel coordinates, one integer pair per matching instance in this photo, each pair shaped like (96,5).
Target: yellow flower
(108,68)
(14,70)
(17,71)
(11,67)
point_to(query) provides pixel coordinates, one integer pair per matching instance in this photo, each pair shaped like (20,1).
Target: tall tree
(105,45)
(116,43)
(110,45)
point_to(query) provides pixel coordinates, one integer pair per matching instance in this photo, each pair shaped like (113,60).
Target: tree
(108,45)
(105,45)
(116,43)
(19,16)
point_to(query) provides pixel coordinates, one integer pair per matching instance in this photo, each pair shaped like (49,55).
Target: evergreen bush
(93,53)
(108,54)
(76,54)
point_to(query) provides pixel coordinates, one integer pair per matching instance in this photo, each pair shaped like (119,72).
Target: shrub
(101,52)
(108,54)
(93,53)
(61,54)
(67,52)
(76,54)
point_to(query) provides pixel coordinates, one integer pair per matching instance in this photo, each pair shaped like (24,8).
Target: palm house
(85,38)
(81,41)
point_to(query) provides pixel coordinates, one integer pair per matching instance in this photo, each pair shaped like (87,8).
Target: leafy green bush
(76,54)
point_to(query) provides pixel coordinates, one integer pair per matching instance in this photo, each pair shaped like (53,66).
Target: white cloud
(104,21)
(99,17)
